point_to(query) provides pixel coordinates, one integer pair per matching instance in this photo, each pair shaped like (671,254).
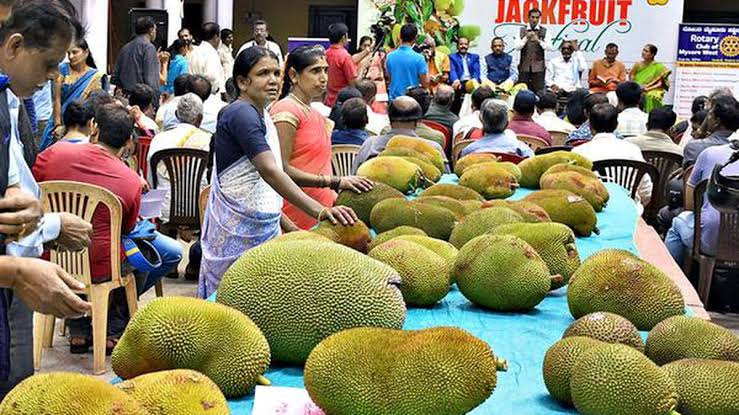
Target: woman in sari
(77,79)
(248,182)
(652,76)
(177,65)
(305,134)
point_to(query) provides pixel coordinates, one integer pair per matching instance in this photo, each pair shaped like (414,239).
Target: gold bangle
(320,213)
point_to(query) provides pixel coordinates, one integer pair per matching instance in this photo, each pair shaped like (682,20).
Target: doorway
(320,17)
(194,19)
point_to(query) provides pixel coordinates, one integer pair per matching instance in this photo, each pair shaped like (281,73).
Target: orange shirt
(601,69)
(439,65)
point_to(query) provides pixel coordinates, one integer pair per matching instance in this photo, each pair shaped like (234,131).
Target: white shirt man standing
(206,61)
(261,33)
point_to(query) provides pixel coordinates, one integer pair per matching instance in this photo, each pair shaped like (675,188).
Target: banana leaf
(428,8)
(399,13)
(414,13)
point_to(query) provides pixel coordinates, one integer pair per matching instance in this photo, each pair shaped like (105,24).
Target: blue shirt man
(494,117)
(498,64)
(406,67)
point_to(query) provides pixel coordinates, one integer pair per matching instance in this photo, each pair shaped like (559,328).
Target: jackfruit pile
(372,371)
(567,208)
(471,159)
(298,293)
(452,190)
(533,168)
(362,203)
(608,328)
(529,211)
(189,333)
(683,337)
(492,180)
(481,222)
(559,361)
(578,180)
(395,172)
(706,387)
(419,145)
(356,236)
(445,202)
(436,221)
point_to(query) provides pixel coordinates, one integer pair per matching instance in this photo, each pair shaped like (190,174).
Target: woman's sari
(74,90)
(647,75)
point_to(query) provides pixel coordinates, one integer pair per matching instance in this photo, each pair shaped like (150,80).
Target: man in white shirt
(563,72)
(472,120)
(656,138)
(226,52)
(375,122)
(632,121)
(548,118)
(206,61)
(261,33)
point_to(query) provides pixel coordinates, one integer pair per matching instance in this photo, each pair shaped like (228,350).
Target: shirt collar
(657,135)
(604,136)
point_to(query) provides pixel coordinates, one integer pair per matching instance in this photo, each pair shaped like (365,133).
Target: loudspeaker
(161,18)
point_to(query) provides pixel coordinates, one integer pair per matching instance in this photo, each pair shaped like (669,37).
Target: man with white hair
(494,118)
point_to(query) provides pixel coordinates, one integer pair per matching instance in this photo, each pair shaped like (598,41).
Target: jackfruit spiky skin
(299,293)
(355,236)
(616,379)
(567,208)
(619,282)
(533,167)
(176,392)
(429,170)
(560,168)
(454,205)
(362,203)
(501,272)
(490,180)
(442,248)
(481,222)
(369,371)
(554,242)
(394,233)
(403,152)
(424,276)
(420,145)
(189,333)
(684,337)
(706,387)
(470,160)
(607,327)
(578,180)
(558,364)
(395,172)
(470,206)
(436,221)
(452,190)
(301,236)
(68,393)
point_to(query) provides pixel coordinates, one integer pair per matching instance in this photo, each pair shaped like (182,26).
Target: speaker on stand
(160,17)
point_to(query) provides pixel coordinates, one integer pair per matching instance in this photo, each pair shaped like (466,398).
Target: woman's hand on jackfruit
(340,214)
(356,184)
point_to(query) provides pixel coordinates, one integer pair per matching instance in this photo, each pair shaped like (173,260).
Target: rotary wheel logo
(730,46)
(657,2)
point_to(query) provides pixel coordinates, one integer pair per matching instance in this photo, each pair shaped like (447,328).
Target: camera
(382,27)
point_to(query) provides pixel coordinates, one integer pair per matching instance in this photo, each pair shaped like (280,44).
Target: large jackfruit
(470,160)
(471,206)
(706,387)
(616,379)
(481,222)
(60,393)
(299,293)
(567,208)
(370,371)
(176,392)
(300,236)
(424,275)
(533,167)
(454,205)
(436,221)
(442,248)
(395,172)
(559,361)
(529,211)
(362,203)
(619,282)
(578,180)
(420,145)
(394,233)
(404,152)
(607,327)
(684,337)
(189,333)
(355,236)
(490,180)
(430,172)
(554,242)
(452,190)
(501,272)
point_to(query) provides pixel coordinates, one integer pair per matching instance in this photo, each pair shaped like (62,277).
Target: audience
(472,120)
(185,35)
(212,103)
(656,139)
(177,65)
(575,113)
(494,118)
(77,121)
(632,121)
(547,118)
(376,122)
(682,131)
(142,96)
(226,53)
(522,123)
(722,120)
(344,95)
(422,96)
(137,62)
(440,108)
(406,67)
(584,132)
(165,117)
(205,60)
(354,121)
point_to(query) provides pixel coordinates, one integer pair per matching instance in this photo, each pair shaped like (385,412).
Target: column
(154,4)
(210,11)
(175,10)
(95,18)
(225,14)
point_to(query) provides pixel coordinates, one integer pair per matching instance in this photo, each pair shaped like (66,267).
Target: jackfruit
(431,173)
(362,203)
(619,282)
(529,211)
(533,168)
(436,221)
(176,392)
(300,236)
(505,165)
(470,206)
(68,393)
(189,333)
(404,152)
(554,242)
(706,387)
(396,172)
(470,160)
(501,272)
(578,180)
(424,276)
(567,208)
(355,236)
(607,327)
(559,361)
(420,145)
(299,293)
(616,379)
(452,190)
(490,180)
(370,371)
(446,202)
(442,248)
(683,337)
(394,233)
(481,222)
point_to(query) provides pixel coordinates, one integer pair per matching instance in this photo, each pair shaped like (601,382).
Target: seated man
(607,73)
(548,117)
(422,96)
(584,132)
(632,121)
(165,117)
(494,117)
(498,64)
(563,72)
(472,120)
(354,120)
(376,122)
(438,64)
(200,86)
(723,121)
(465,67)
(440,108)
(142,96)
(523,123)
(656,138)
(100,164)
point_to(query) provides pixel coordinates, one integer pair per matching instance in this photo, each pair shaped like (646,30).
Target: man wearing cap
(522,122)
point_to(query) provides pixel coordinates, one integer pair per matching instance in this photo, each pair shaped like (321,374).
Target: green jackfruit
(607,327)
(481,222)
(561,168)
(362,203)
(554,242)
(396,172)
(436,221)
(189,333)
(558,364)
(424,276)
(452,190)
(490,180)
(403,152)
(299,293)
(454,205)
(420,145)
(529,211)
(619,282)
(683,337)
(616,379)
(533,167)
(394,233)
(706,387)
(568,208)
(471,159)
(370,371)
(470,206)
(429,170)
(578,180)
(355,236)
(176,392)
(501,272)
(442,248)
(68,393)
(300,236)
(505,165)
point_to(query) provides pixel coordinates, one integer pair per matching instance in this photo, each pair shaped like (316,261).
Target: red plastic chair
(575,143)
(474,134)
(142,153)
(442,129)
(513,158)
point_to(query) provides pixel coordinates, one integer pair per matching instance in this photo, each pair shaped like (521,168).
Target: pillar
(95,18)
(175,11)
(225,12)
(210,11)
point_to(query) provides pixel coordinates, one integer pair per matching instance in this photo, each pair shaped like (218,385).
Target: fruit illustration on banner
(658,2)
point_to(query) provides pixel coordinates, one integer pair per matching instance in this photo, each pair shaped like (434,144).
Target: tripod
(376,52)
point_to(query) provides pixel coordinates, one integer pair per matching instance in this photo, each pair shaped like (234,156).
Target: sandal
(110,344)
(79,344)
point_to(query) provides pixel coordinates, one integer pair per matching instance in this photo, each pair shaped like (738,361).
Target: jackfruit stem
(674,413)
(557,279)
(261,380)
(596,230)
(502,365)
